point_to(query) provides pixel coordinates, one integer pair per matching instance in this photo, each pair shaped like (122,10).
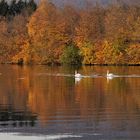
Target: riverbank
(58,64)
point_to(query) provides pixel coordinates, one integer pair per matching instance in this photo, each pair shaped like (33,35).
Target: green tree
(3,8)
(71,55)
(31,6)
(13,8)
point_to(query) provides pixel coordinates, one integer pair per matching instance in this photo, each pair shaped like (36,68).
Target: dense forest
(49,34)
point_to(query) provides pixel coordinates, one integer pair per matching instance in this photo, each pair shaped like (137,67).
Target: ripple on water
(13,136)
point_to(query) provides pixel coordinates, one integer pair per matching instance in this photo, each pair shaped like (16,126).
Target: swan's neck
(107,72)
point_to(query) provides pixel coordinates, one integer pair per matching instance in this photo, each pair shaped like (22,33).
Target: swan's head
(75,71)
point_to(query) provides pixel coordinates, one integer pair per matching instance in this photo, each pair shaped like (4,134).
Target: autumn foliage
(44,34)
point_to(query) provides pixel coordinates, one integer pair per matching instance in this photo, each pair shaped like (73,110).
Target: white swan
(77,75)
(109,75)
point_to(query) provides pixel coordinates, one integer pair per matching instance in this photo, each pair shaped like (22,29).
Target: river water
(49,103)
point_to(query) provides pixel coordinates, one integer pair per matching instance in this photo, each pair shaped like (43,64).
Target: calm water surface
(49,103)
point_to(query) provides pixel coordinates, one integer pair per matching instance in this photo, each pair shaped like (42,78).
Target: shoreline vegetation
(47,34)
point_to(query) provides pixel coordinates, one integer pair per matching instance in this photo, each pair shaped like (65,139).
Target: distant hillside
(83,2)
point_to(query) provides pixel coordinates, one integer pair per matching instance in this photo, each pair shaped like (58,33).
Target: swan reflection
(77,79)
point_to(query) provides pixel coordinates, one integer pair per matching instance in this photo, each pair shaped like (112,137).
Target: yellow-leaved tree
(46,30)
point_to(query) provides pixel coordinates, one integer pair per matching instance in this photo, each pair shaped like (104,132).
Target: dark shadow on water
(11,117)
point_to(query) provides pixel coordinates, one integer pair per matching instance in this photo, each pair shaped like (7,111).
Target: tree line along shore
(49,34)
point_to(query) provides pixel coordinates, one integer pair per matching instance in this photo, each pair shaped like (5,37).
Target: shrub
(71,55)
